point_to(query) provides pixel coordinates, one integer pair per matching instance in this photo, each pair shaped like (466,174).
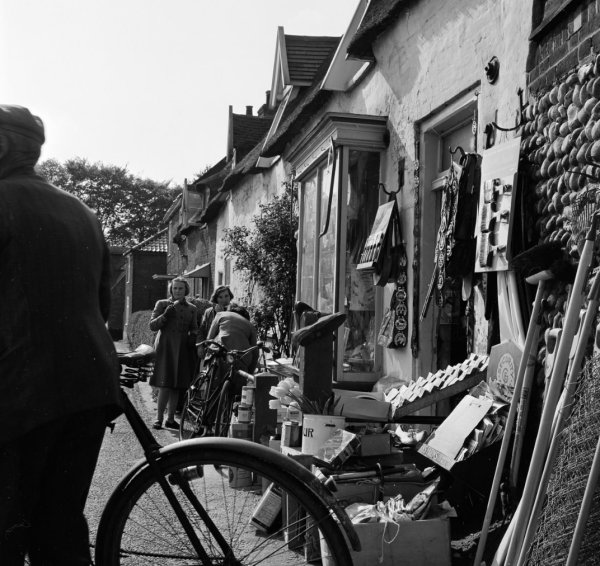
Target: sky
(147,84)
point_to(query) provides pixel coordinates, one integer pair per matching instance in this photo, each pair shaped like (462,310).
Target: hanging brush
(542,262)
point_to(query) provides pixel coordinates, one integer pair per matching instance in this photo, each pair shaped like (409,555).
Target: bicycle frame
(152,448)
(155,454)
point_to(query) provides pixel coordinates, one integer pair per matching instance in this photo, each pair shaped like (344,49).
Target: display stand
(315,354)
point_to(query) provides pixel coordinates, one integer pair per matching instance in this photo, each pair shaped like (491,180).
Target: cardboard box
(418,543)
(241,430)
(363,491)
(367,409)
(444,445)
(375,444)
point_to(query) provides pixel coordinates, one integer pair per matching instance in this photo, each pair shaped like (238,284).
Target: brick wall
(561,44)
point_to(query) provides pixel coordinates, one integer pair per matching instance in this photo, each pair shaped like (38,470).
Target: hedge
(138,329)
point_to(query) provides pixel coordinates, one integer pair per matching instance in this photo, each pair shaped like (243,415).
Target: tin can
(290,434)
(294,414)
(247,395)
(244,413)
(267,508)
(240,477)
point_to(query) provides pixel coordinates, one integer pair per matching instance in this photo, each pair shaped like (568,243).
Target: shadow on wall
(139,330)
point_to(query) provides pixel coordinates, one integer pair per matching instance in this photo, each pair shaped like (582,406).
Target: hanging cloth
(444,241)
(455,243)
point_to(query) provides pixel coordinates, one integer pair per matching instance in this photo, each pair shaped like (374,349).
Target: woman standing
(176,321)
(221,298)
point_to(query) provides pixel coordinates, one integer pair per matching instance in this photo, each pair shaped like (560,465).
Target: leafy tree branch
(129,208)
(266,255)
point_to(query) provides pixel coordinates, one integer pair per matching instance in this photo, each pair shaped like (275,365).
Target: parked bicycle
(173,507)
(209,400)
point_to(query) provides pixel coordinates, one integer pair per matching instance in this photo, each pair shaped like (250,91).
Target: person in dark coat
(234,330)
(176,320)
(58,366)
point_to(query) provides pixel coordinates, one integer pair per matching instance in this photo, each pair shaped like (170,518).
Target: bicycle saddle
(141,355)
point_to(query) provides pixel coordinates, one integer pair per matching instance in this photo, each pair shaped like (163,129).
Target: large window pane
(327,249)
(309,228)
(359,300)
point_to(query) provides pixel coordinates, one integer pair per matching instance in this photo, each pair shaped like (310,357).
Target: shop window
(336,216)
(320,252)
(359,293)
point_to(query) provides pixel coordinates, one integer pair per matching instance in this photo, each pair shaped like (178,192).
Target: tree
(129,208)
(266,255)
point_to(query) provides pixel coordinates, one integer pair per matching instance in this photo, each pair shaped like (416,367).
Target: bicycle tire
(194,405)
(224,410)
(138,525)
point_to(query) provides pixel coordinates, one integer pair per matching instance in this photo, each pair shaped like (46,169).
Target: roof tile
(157,243)
(305,55)
(247,132)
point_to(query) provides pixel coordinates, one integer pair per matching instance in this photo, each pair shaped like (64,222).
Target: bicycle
(209,400)
(172,507)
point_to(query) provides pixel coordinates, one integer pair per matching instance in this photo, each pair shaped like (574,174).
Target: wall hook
(457,148)
(389,193)
(521,108)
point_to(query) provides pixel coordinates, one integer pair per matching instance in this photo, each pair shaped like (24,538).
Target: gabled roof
(298,60)
(300,110)
(345,73)
(379,16)
(214,176)
(214,169)
(157,244)
(175,205)
(305,55)
(246,132)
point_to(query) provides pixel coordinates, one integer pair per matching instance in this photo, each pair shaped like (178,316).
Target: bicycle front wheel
(194,418)
(262,513)
(224,410)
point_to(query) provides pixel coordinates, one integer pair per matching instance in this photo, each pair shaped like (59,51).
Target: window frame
(346,132)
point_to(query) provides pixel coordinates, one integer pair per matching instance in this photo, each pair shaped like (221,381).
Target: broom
(538,265)
(542,442)
(564,410)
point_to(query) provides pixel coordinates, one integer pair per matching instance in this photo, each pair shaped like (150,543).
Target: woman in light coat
(176,320)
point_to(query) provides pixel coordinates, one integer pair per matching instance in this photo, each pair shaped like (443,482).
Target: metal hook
(521,108)
(389,193)
(457,148)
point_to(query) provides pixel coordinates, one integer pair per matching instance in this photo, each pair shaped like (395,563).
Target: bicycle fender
(273,458)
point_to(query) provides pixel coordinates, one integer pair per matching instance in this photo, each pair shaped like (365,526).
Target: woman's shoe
(157,425)
(172,424)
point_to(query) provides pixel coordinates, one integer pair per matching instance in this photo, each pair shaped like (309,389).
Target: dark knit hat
(19,120)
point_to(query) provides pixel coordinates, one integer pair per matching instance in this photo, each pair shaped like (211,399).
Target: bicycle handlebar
(235,353)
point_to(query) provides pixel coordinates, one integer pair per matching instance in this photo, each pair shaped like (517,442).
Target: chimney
(248,110)
(268,96)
